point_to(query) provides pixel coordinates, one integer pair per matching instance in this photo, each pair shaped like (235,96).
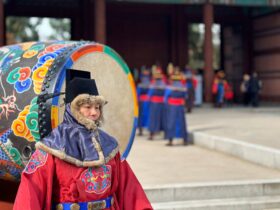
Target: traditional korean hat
(157,73)
(145,75)
(145,71)
(176,76)
(79,82)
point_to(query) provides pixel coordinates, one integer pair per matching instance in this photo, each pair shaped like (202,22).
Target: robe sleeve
(167,92)
(130,193)
(35,190)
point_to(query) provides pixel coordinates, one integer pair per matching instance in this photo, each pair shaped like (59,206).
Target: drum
(31,70)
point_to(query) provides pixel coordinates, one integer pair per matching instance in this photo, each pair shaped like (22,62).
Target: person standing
(156,111)
(255,86)
(175,126)
(244,88)
(218,89)
(143,98)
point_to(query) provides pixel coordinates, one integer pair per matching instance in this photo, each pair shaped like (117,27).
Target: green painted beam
(248,2)
(269,3)
(162,1)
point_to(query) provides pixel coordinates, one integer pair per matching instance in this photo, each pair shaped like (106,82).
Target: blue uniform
(156,112)
(175,126)
(143,98)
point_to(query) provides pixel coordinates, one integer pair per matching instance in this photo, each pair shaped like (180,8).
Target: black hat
(79,82)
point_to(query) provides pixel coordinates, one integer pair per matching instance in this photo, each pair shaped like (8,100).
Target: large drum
(31,70)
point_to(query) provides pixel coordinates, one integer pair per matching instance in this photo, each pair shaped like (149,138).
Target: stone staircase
(233,195)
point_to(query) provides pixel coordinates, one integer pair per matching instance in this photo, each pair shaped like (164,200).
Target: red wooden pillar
(2,23)
(100,21)
(208,50)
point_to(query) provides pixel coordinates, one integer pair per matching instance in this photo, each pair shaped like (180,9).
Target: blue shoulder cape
(73,142)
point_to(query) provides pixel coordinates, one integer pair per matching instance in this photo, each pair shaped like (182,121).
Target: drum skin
(30,71)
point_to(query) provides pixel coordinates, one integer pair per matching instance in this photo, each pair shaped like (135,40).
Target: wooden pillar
(2,23)
(208,51)
(100,21)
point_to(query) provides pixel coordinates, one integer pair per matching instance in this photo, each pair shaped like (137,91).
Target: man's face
(91,112)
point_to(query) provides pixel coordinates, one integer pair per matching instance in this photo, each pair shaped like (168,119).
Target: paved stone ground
(253,125)
(156,164)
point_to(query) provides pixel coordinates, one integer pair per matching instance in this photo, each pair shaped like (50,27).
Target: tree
(21,29)
(196,37)
(61,27)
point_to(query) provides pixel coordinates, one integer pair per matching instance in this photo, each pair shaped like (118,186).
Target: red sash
(157,99)
(176,101)
(144,97)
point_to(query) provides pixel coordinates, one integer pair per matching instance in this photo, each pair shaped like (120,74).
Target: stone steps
(250,203)
(231,195)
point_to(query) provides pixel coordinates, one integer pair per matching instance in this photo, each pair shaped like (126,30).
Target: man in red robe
(78,166)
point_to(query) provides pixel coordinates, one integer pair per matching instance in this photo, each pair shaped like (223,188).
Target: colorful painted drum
(30,70)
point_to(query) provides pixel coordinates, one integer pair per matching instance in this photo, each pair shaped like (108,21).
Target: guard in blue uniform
(143,98)
(175,126)
(156,111)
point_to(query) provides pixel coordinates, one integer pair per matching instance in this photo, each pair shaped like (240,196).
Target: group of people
(223,92)
(250,88)
(163,99)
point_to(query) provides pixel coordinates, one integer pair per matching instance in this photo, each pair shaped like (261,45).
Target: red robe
(48,179)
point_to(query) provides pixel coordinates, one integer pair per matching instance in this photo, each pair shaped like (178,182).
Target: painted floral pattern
(37,160)
(97,180)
